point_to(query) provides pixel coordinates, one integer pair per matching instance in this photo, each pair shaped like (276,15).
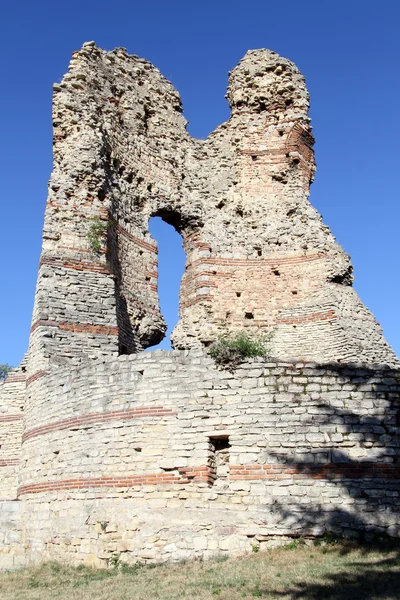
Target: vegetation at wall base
(303,571)
(229,351)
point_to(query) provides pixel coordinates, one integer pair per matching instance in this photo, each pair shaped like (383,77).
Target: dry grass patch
(328,572)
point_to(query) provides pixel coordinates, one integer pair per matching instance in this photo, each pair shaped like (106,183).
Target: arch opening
(164,229)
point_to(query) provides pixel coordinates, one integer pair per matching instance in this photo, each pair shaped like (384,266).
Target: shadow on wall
(368,484)
(171,265)
(370,577)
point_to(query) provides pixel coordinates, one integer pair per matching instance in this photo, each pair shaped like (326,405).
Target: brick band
(136,240)
(36,376)
(351,470)
(88,328)
(8,418)
(15,378)
(77,265)
(182,476)
(204,474)
(257,262)
(88,419)
(8,462)
(77,327)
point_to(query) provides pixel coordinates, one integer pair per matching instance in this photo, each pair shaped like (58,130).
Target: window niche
(218,460)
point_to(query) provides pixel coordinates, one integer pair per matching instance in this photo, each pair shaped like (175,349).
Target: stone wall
(12,549)
(163,456)
(12,398)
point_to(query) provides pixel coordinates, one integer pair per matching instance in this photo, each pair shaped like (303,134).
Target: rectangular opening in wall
(219,460)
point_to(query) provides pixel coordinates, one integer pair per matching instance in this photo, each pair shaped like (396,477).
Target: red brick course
(351,470)
(44,323)
(136,240)
(36,376)
(7,418)
(15,378)
(204,474)
(7,462)
(88,419)
(77,327)
(257,262)
(77,265)
(183,476)
(88,328)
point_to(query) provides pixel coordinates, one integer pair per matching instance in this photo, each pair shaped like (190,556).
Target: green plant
(219,558)
(255,548)
(34,582)
(129,569)
(331,539)
(328,539)
(292,545)
(297,543)
(114,561)
(230,351)
(96,234)
(4,370)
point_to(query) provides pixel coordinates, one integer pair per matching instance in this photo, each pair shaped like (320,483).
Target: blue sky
(349,52)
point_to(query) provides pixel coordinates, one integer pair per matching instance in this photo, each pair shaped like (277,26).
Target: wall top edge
(197,356)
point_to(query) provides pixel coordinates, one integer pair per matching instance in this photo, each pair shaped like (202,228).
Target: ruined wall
(258,255)
(163,456)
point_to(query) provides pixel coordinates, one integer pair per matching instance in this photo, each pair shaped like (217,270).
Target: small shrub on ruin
(96,234)
(231,350)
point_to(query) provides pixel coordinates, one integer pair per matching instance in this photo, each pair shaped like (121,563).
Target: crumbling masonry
(107,451)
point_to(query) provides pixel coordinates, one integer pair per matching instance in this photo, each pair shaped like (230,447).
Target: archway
(171,265)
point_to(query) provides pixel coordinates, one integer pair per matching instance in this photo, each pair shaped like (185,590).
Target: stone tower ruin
(161,455)
(257,253)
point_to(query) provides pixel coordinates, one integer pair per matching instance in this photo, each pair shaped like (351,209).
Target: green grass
(325,572)
(231,350)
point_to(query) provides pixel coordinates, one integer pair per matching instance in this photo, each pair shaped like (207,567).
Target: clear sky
(349,51)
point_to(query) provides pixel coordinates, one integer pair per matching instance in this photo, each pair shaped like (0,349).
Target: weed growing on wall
(230,350)
(96,234)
